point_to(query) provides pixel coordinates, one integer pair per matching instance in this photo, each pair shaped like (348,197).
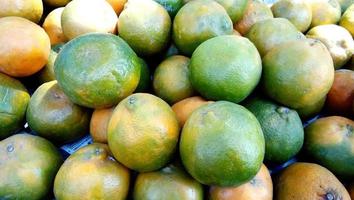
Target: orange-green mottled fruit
(52,26)
(46,74)
(306,77)
(52,115)
(256,11)
(24,48)
(143,132)
(186,107)
(198,21)
(145,26)
(234,8)
(304,181)
(312,109)
(99,123)
(14,100)
(91,173)
(28,9)
(97,70)
(28,166)
(259,188)
(282,129)
(324,12)
(269,33)
(225,68)
(171,181)
(171,79)
(298,12)
(347,20)
(222,144)
(330,141)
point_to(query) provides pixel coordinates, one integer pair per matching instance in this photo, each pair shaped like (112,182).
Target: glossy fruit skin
(28,166)
(143,132)
(171,180)
(172,6)
(81,17)
(97,70)
(269,33)
(171,79)
(255,12)
(309,67)
(324,12)
(28,9)
(234,8)
(338,41)
(282,129)
(329,137)
(25,47)
(187,106)
(145,26)
(304,181)
(52,26)
(15,98)
(219,67)
(46,74)
(193,25)
(52,115)
(92,173)
(298,12)
(222,144)
(260,188)
(347,20)
(341,96)
(99,123)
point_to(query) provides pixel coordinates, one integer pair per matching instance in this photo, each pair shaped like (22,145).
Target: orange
(29,9)
(99,123)
(117,5)
(24,48)
(52,25)
(324,12)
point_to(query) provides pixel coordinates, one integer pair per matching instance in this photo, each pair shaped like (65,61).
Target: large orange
(29,9)
(24,48)
(52,25)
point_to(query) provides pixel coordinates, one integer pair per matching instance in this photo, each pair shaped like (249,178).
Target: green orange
(172,6)
(143,132)
(198,21)
(92,173)
(171,79)
(225,68)
(46,74)
(312,109)
(222,144)
(28,166)
(234,8)
(97,70)
(15,98)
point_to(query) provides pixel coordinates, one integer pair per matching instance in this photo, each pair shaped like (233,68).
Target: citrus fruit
(255,12)
(306,77)
(171,180)
(52,26)
(29,9)
(171,79)
(298,12)
(145,26)
(282,129)
(259,188)
(97,70)
(344,4)
(234,8)
(144,82)
(312,109)
(82,16)
(91,173)
(99,123)
(52,115)
(341,96)
(185,107)
(14,100)
(347,20)
(304,181)
(24,48)
(338,41)
(225,68)
(46,74)
(28,166)
(269,33)
(324,12)
(222,144)
(198,21)
(56,3)
(329,137)
(172,6)
(117,5)
(143,132)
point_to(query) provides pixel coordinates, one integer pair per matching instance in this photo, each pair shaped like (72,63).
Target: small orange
(99,123)
(52,25)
